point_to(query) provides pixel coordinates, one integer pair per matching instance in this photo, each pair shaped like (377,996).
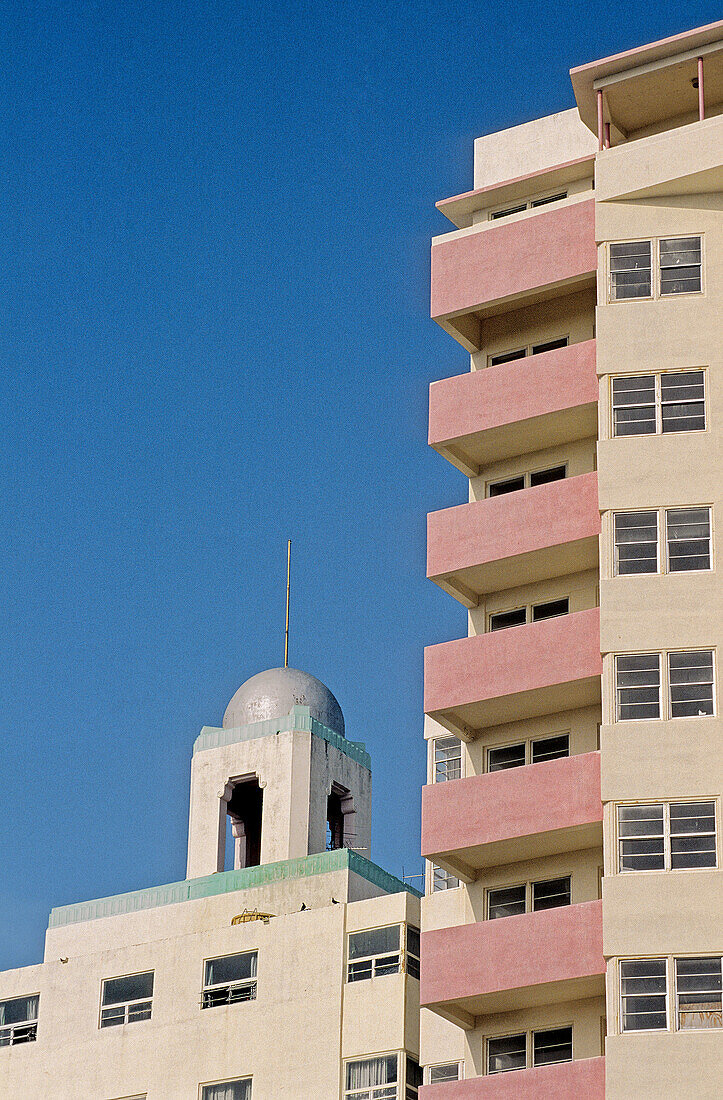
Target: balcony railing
(513,963)
(514,539)
(510,675)
(540,401)
(512,815)
(479,272)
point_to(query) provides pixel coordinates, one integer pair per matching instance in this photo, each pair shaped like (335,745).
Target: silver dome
(273,693)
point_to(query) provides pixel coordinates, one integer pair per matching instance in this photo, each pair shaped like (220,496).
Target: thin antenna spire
(288,590)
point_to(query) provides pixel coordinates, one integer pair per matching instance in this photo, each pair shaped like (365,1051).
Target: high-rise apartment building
(575,736)
(285,966)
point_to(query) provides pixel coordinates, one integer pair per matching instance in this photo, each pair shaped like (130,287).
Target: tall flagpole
(288,590)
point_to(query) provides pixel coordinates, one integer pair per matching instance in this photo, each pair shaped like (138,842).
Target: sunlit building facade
(572,931)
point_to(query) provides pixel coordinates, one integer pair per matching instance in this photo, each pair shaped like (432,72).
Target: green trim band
(298,718)
(226,882)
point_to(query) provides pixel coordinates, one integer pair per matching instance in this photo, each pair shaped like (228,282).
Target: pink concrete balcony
(513,674)
(540,401)
(514,539)
(512,815)
(480,273)
(512,963)
(582,1080)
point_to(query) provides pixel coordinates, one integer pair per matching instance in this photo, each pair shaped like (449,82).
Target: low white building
(291,974)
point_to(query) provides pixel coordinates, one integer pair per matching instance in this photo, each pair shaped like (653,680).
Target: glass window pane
(376,941)
(549,198)
(634,405)
(505,619)
(698,988)
(447,1072)
(554,1045)
(680,265)
(636,542)
(691,683)
(368,1072)
(508,756)
(134,987)
(550,748)
(228,1090)
(630,270)
(447,759)
(640,838)
(231,968)
(550,894)
(510,485)
(638,686)
(507,1053)
(443,880)
(508,211)
(507,357)
(692,835)
(644,989)
(683,401)
(550,610)
(550,345)
(688,539)
(544,477)
(509,901)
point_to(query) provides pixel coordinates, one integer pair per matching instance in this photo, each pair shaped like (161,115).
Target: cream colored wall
(585,1016)
(439,1040)
(328,765)
(571,315)
(292,1039)
(666,178)
(531,147)
(580,588)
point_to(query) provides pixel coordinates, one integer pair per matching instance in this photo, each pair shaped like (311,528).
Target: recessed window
(680,265)
(649,404)
(381,1078)
(531,349)
(637,686)
(447,759)
(126,1000)
(507,357)
(510,485)
(544,477)
(507,1053)
(508,211)
(691,683)
(378,952)
(505,619)
(550,345)
(228,1090)
(643,989)
(551,894)
(698,993)
(550,610)
(510,901)
(229,979)
(549,198)
(551,1046)
(19,1020)
(443,880)
(667,836)
(532,752)
(678,268)
(530,204)
(445,1071)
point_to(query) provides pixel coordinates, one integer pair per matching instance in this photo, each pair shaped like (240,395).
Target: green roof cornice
(227,882)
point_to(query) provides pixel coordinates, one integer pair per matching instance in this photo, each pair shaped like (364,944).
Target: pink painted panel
(524,658)
(582,1080)
(517,802)
(534,386)
(512,258)
(516,523)
(471,960)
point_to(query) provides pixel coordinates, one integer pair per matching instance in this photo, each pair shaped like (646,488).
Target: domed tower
(281,774)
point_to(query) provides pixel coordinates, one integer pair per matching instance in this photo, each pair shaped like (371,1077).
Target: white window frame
(526,479)
(671,992)
(527,887)
(658,401)
(529,610)
(664,690)
(209,989)
(444,1065)
(662,543)
(667,852)
(225,1081)
(434,872)
(529,1034)
(381,960)
(676,1005)
(26,1029)
(380,1092)
(127,1006)
(435,763)
(528,747)
(655,269)
(687,717)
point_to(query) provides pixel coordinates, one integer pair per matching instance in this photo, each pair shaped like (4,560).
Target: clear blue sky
(215,233)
